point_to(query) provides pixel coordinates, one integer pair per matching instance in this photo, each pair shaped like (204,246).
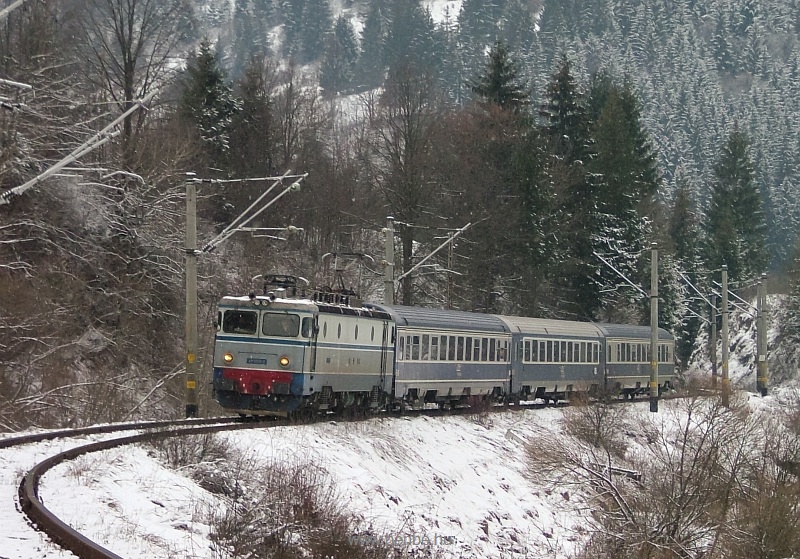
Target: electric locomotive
(293,351)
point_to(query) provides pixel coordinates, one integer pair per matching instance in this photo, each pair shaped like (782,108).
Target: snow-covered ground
(458,481)
(456,485)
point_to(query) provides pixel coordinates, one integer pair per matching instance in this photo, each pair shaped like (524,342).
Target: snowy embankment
(451,487)
(456,485)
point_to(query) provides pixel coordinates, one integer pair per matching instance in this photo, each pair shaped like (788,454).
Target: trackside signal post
(238,224)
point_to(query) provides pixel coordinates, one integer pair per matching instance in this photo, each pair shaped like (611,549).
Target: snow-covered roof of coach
(551,327)
(443,319)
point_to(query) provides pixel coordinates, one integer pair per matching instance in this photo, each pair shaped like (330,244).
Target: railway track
(59,532)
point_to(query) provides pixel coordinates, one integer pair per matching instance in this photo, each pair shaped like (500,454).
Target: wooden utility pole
(654,329)
(726,381)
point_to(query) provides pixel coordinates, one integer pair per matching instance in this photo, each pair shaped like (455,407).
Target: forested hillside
(570,135)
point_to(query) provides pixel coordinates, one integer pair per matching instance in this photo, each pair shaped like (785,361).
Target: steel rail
(64,535)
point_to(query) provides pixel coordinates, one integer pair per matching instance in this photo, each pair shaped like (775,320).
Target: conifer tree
(518,27)
(208,102)
(566,127)
(734,220)
(341,56)
(292,12)
(500,83)
(371,67)
(477,31)
(410,36)
(253,128)
(317,23)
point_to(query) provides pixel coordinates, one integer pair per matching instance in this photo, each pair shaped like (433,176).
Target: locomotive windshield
(275,324)
(240,322)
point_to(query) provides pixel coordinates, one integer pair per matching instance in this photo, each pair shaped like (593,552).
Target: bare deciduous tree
(402,123)
(128,45)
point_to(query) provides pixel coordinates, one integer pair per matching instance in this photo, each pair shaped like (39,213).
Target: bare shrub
(204,457)
(711,481)
(289,510)
(180,452)
(601,424)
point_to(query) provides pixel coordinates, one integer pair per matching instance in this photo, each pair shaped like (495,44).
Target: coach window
(502,350)
(425,348)
(484,349)
(442,348)
(468,349)
(240,322)
(415,348)
(451,348)
(401,344)
(434,348)
(527,356)
(476,349)
(408,347)
(460,348)
(492,348)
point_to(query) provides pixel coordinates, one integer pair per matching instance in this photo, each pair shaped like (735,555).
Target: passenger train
(296,352)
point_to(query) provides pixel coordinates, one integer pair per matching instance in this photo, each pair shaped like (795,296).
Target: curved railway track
(61,533)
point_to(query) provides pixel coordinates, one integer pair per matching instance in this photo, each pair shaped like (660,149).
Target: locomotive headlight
(228,357)
(284,361)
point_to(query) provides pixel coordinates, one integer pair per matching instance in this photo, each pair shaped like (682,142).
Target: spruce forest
(570,135)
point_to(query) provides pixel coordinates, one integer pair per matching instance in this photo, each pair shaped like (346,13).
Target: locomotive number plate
(256,361)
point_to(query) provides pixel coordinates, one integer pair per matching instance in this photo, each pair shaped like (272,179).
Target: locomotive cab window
(240,322)
(279,324)
(308,327)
